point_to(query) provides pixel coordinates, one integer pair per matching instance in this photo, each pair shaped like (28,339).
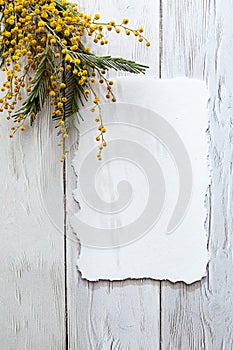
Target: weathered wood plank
(31,250)
(198,41)
(116,315)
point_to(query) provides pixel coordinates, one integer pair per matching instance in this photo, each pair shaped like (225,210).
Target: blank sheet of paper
(143,206)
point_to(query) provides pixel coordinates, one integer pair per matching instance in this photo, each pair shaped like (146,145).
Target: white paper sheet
(142,207)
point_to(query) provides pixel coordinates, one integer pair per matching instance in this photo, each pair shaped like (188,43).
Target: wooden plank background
(44,304)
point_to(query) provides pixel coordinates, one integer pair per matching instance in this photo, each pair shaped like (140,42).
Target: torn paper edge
(206,206)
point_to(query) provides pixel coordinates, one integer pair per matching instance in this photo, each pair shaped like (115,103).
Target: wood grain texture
(31,255)
(199,35)
(116,315)
(191,38)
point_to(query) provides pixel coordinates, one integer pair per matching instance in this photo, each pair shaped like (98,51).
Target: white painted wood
(116,315)
(199,35)
(31,249)
(196,41)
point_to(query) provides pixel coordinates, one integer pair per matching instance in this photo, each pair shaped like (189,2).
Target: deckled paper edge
(206,206)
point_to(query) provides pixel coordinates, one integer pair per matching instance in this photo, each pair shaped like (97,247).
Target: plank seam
(65,258)
(160,76)
(160,315)
(160,37)
(65,239)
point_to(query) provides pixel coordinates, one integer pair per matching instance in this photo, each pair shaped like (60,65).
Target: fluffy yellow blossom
(43,56)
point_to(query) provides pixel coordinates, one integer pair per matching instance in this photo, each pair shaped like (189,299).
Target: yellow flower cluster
(42,54)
